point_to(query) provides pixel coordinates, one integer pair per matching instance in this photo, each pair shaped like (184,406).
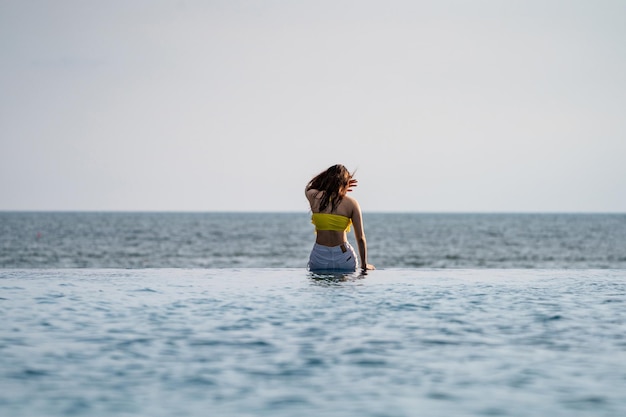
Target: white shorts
(333,258)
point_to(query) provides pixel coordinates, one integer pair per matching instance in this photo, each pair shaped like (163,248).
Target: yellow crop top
(327,221)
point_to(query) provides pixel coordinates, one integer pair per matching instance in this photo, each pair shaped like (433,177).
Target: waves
(283,240)
(282,342)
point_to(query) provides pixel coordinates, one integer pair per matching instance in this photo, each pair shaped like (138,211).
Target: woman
(333,213)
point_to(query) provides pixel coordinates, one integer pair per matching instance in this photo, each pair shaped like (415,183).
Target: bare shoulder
(351,205)
(351,200)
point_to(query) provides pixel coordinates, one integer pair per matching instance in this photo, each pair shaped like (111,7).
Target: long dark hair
(334,183)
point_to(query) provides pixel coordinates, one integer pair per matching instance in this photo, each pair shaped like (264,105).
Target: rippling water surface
(284,240)
(281,342)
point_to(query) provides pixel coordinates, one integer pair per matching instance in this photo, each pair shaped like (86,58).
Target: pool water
(284,342)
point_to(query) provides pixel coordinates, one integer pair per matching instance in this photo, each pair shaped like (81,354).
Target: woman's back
(344,208)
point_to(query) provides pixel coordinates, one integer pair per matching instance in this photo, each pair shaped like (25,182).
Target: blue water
(196,314)
(283,342)
(269,240)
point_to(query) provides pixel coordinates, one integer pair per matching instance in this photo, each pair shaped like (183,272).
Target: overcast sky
(234,105)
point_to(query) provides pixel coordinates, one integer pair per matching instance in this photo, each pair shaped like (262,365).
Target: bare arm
(359,235)
(310,195)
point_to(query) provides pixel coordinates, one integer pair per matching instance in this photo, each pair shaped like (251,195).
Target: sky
(439,106)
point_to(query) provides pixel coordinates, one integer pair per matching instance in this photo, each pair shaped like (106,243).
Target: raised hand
(351,184)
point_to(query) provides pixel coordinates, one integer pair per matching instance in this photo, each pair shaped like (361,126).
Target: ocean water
(283,342)
(195,314)
(270,240)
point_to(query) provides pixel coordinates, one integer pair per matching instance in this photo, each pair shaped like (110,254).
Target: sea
(284,240)
(215,314)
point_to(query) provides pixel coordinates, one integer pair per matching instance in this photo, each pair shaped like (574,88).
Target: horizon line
(137,211)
